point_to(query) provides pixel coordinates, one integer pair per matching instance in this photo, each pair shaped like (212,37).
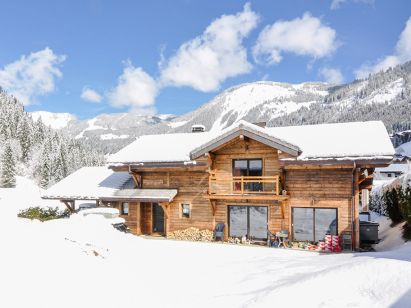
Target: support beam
(213,206)
(210,160)
(69,204)
(138,217)
(166,207)
(137,179)
(282,209)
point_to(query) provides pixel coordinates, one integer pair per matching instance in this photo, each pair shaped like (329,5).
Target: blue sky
(91,57)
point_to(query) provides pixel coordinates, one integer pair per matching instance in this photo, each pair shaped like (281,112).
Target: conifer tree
(8,171)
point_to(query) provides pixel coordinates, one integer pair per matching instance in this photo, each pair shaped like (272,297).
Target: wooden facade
(311,185)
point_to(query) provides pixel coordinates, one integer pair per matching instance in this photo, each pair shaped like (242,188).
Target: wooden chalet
(305,179)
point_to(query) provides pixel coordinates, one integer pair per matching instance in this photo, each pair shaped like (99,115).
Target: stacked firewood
(191,234)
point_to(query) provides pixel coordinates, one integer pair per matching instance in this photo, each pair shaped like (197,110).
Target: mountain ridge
(382,96)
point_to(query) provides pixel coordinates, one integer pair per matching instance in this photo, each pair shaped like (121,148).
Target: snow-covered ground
(83,262)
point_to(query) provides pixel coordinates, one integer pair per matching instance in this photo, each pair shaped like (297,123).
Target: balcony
(245,187)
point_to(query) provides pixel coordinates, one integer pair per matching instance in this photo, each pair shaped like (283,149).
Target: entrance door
(249,221)
(158,218)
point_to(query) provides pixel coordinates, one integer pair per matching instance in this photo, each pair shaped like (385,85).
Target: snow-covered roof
(366,140)
(101,183)
(394,168)
(404,149)
(249,130)
(354,140)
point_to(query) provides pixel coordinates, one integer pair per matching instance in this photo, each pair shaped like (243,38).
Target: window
(249,221)
(312,224)
(389,175)
(248,167)
(185,210)
(124,208)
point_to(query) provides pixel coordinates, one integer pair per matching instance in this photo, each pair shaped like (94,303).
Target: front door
(249,221)
(158,218)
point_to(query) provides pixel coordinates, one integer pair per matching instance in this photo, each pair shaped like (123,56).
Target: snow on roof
(250,130)
(338,140)
(88,183)
(394,168)
(404,149)
(366,140)
(101,183)
(161,148)
(159,195)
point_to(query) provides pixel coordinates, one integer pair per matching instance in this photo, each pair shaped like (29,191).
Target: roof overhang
(154,166)
(139,195)
(248,131)
(338,163)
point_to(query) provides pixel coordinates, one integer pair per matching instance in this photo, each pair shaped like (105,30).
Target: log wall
(322,188)
(306,187)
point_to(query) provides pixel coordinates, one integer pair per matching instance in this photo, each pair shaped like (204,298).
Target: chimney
(261,124)
(197,128)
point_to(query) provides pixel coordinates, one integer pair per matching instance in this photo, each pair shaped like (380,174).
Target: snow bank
(85,262)
(26,194)
(89,257)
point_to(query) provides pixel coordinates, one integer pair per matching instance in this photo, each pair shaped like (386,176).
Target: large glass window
(312,224)
(303,224)
(248,167)
(249,221)
(325,223)
(238,221)
(258,222)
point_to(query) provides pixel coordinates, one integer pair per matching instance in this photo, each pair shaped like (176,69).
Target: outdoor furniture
(272,240)
(282,236)
(219,231)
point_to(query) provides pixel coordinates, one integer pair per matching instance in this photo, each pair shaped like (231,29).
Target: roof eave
(267,140)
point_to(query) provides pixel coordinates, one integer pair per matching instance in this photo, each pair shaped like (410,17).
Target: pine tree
(24,134)
(45,174)
(8,172)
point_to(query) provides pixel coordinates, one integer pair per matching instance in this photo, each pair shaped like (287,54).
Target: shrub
(392,203)
(43,214)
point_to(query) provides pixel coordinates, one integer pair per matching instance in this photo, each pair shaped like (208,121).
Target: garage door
(249,221)
(312,224)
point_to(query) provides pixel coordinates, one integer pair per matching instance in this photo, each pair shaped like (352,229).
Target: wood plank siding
(308,187)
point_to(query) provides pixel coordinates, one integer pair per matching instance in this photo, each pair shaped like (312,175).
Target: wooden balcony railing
(242,185)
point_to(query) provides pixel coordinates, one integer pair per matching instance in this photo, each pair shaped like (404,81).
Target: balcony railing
(243,185)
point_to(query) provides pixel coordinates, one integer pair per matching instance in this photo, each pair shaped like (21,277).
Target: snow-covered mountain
(254,102)
(383,96)
(54,120)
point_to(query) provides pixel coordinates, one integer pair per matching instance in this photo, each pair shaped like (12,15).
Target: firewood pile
(191,234)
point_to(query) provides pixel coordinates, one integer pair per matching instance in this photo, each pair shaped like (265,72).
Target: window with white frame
(185,210)
(124,208)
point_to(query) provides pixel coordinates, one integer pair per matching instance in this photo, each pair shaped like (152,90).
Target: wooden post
(277,185)
(242,185)
(138,229)
(356,210)
(71,207)
(166,206)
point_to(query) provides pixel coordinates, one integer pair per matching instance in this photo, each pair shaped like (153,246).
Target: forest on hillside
(30,148)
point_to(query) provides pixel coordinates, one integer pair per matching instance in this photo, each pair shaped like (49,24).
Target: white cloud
(332,75)
(32,75)
(305,36)
(336,4)
(135,88)
(204,62)
(401,54)
(91,95)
